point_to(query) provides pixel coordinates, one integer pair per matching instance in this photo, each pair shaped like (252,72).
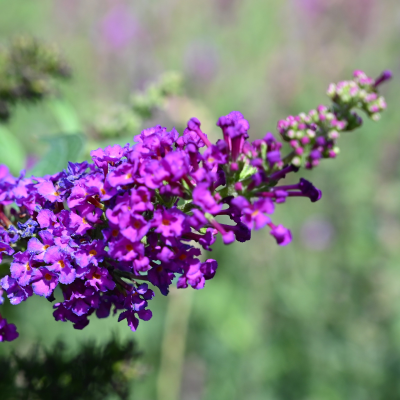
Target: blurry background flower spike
(144,104)
(28,71)
(120,120)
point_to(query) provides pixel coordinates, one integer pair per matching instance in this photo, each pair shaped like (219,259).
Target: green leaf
(62,149)
(66,116)
(11,151)
(247,171)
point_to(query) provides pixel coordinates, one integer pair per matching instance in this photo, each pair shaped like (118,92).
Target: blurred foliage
(95,372)
(156,94)
(123,120)
(28,70)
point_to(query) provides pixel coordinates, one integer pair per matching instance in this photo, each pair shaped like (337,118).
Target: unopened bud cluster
(314,135)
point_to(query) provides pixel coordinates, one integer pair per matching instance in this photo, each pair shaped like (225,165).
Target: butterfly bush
(141,213)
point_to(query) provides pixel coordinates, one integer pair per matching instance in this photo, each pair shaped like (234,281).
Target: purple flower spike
(143,212)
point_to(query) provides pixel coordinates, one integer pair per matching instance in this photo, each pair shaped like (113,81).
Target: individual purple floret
(141,213)
(8,332)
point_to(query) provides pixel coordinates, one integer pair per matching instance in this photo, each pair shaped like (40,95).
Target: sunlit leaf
(62,149)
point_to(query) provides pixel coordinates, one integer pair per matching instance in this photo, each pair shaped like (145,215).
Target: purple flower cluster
(142,212)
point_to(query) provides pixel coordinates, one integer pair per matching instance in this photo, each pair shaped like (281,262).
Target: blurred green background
(317,320)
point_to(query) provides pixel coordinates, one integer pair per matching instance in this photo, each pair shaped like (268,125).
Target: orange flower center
(61,263)
(92,252)
(166,222)
(96,276)
(114,233)
(136,224)
(129,247)
(47,277)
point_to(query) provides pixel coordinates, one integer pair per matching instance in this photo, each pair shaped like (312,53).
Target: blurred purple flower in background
(357,13)
(119,26)
(201,61)
(312,8)
(226,10)
(317,233)
(31,161)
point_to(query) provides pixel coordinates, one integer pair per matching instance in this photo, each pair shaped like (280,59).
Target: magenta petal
(48,191)
(260,221)
(35,246)
(228,238)
(80,307)
(67,275)
(145,315)
(133,322)
(43,287)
